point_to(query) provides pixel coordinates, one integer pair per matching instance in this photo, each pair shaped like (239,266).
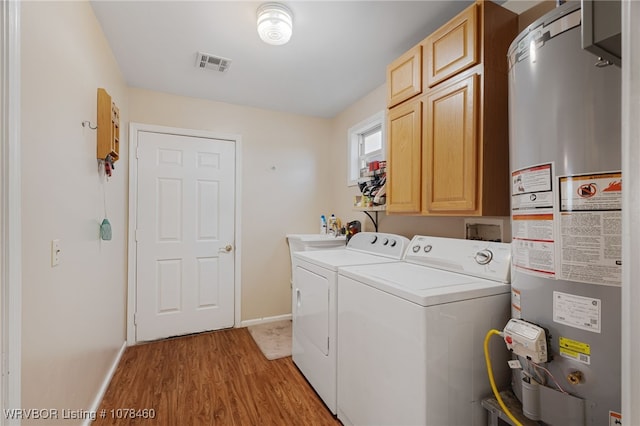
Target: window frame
(355,135)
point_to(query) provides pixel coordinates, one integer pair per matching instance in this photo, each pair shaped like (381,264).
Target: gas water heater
(566,201)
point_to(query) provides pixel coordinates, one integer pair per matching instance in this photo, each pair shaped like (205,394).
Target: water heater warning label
(615,419)
(532,225)
(592,192)
(590,222)
(531,187)
(575,350)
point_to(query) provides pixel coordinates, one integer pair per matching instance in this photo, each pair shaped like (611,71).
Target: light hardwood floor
(216,378)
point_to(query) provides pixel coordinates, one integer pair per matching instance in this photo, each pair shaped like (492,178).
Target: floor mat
(273,338)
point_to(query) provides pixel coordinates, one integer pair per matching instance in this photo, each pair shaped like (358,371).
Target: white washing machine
(314,312)
(410,334)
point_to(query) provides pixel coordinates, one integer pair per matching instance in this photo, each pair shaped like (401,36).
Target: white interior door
(184,235)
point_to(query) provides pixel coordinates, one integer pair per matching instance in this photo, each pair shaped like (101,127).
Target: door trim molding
(630,232)
(134,129)
(10,205)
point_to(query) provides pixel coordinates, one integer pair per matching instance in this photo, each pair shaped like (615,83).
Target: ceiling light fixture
(275,23)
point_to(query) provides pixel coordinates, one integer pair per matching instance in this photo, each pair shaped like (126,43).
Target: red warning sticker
(592,192)
(615,419)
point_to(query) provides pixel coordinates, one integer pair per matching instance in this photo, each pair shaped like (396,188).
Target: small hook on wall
(88,124)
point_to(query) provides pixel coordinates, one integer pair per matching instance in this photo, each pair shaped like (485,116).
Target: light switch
(56,252)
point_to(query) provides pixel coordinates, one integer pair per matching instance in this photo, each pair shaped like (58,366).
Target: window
(366,144)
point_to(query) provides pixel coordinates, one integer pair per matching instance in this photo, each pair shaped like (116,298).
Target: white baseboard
(105,384)
(265,320)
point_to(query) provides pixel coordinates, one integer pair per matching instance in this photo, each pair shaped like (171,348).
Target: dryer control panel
(389,245)
(484,259)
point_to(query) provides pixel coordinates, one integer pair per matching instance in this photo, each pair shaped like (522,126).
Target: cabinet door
(403,157)
(450,152)
(108,134)
(404,77)
(452,48)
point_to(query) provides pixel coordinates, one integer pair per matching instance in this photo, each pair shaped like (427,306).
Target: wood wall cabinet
(404,127)
(450,147)
(108,127)
(453,47)
(463,115)
(404,77)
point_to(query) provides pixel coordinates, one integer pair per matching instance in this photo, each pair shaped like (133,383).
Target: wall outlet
(56,252)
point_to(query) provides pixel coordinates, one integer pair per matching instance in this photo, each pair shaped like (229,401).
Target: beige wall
(343,196)
(73,315)
(287,165)
(293,170)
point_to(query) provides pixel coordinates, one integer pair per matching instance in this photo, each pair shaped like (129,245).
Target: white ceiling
(337,54)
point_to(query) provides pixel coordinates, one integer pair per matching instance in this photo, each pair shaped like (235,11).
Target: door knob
(227,248)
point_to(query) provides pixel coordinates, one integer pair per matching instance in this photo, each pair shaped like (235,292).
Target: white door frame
(134,128)
(630,212)
(10,202)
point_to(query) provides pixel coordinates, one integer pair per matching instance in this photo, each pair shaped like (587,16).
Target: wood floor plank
(219,378)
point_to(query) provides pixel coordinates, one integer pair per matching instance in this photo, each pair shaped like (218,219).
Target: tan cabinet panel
(450,157)
(404,77)
(108,127)
(448,148)
(403,157)
(452,48)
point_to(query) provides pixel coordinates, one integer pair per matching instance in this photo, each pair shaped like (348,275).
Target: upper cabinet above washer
(404,77)
(448,51)
(452,48)
(448,132)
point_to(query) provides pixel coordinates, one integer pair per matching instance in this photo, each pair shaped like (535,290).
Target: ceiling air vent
(212,62)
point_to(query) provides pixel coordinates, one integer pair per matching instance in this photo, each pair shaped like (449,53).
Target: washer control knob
(428,248)
(385,241)
(483,257)
(416,249)
(374,239)
(393,243)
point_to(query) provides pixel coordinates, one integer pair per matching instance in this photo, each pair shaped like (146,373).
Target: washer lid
(423,285)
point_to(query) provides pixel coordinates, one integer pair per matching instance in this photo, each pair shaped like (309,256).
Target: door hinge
(138,153)
(327,343)
(135,318)
(137,235)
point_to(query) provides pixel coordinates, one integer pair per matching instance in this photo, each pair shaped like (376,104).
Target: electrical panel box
(601,29)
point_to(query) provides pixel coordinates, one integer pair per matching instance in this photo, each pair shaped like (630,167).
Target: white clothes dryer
(314,303)
(410,334)
(310,242)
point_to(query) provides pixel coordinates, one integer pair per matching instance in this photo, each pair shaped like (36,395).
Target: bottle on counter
(332,223)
